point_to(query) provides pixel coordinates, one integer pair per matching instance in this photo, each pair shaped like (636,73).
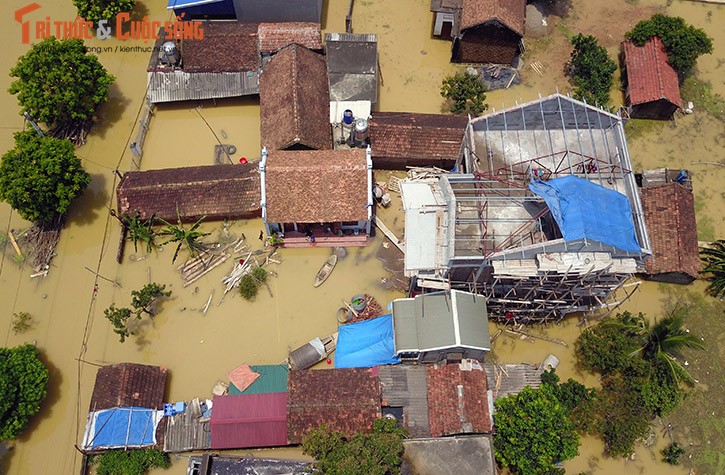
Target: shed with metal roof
(249,420)
(441,326)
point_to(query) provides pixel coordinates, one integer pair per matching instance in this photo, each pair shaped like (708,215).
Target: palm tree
(665,339)
(189,237)
(714,259)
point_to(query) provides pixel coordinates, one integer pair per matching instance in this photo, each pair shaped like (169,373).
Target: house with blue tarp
(366,344)
(121,427)
(543,216)
(248,11)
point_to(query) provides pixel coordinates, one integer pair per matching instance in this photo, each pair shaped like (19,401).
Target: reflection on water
(200,349)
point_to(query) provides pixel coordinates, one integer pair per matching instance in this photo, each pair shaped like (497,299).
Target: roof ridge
(294,47)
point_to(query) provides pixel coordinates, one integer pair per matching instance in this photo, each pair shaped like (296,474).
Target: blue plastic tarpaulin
(585,210)
(122,427)
(366,344)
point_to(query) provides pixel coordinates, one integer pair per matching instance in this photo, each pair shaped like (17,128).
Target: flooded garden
(200,334)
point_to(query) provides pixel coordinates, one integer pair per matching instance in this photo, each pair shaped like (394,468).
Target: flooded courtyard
(67,306)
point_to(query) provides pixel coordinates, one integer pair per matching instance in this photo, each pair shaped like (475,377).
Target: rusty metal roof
(294,101)
(249,420)
(314,186)
(345,400)
(129,384)
(649,76)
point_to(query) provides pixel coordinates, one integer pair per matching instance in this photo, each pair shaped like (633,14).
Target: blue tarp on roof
(366,344)
(122,427)
(585,210)
(189,3)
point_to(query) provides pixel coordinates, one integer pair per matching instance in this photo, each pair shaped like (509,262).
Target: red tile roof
(129,384)
(294,99)
(249,420)
(275,36)
(227,46)
(345,400)
(511,13)
(416,137)
(457,400)
(649,75)
(669,214)
(214,191)
(313,186)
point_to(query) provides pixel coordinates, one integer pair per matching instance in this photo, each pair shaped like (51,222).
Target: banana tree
(184,237)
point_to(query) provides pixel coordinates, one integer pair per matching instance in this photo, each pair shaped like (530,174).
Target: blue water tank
(347,117)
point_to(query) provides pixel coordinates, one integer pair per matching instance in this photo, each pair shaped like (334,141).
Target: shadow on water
(86,209)
(110,112)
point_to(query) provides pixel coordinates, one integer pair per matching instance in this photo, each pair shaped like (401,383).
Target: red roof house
(457,400)
(669,213)
(321,192)
(652,85)
(490,31)
(129,384)
(249,420)
(401,139)
(294,98)
(273,37)
(346,400)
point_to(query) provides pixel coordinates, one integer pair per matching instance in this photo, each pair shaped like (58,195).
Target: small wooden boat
(325,270)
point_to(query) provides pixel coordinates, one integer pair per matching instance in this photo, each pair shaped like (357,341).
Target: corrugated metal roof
(272,379)
(352,66)
(170,86)
(437,321)
(405,386)
(249,420)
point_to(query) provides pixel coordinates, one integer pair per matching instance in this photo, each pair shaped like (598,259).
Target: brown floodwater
(198,349)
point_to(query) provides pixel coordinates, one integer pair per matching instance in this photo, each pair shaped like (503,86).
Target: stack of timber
(246,265)
(194,269)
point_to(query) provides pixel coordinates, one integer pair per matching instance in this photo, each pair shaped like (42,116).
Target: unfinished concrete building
(546,220)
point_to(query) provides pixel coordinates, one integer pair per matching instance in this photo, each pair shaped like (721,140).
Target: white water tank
(169,54)
(360,133)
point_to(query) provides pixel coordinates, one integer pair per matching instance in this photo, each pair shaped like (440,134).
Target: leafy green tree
(672,453)
(684,43)
(41,176)
(23,382)
(94,10)
(533,432)
(622,414)
(119,318)
(466,93)
(577,399)
(130,462)
(606,347)
(143,299)
(590,69)
(714,259)
(184,237)
(60,85)
(378,453)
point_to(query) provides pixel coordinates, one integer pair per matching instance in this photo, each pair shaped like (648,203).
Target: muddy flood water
(69,326)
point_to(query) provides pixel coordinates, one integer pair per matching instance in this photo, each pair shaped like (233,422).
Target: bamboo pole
(14,243)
